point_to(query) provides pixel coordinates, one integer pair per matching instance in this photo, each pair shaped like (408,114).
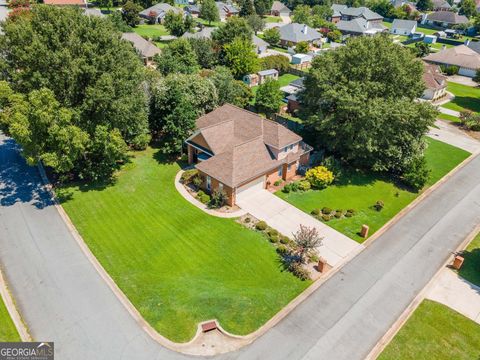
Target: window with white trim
(220,186)
(209,182)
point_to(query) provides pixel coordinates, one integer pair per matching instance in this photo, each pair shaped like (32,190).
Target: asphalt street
(63,299)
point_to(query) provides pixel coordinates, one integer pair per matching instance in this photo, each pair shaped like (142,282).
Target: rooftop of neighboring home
(160,9)
(226,8)
(360,26)
(145,48)
(192,8)
(93,12)
(293,87)
(295,33)
(448,17)
(65,2)
(241,143)
(205,33)
(279,7)
(433,77)
(474,45)
(404,24)
(267,72)
(441,4)
(461,56)
(355,12)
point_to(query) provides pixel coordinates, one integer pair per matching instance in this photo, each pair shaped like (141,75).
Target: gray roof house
(359,26)
(295,33)
(357,21)
(158,12)
(364,12)
(441,5)
(337,10)
(446,18)
(279,9)
(226,9)
(403,27)
(144,48)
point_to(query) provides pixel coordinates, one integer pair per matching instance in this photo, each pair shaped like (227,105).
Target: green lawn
(361,191)
(434,331)
(205,22)
(283,80)
(447,117)
(151,30)
(178,265)
(470,269)
(8,332)
(466,97)
(272,19)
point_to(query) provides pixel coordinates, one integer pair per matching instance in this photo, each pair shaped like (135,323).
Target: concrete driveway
(287,219)
(454,136)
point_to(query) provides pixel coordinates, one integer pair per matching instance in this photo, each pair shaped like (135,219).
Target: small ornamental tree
(417,174)
(272,36)
(256,23)
(302,47)
(241,58)
(209,11)
(130,13)
(306,239)
(319,177)
(269,97)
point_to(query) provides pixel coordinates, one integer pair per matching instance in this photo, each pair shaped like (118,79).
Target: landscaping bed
(434,331)
(178,265)
(360,191)
(8,332)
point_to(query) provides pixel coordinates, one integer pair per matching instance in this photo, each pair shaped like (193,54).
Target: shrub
(449,69)
(313,258)
(205,198)
(273,238)
(197,181)
(297,269)
(247,220)
(352,211)
(315,212)
(348,214)
(470,120)
(277,183)
(295,186)
(261,225)
(379,205)
(219,198)
(319,177)
(287,188)
(325,218)
(271,232)
(188,176)
(200,193)
(140,142)
(326,211)
(304,185)
(338,214)
(282,250)
(284,239)
(417,174)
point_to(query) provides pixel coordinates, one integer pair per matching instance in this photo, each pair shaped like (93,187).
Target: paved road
(63,299)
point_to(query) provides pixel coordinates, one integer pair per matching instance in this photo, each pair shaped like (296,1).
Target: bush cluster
(319,177)
(379,205)
(188,175)
(326,213)
(295,186)
(204,198)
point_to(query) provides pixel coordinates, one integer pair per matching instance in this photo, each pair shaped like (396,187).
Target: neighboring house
(261,45)
(145,49)
(226,10)
(298,59)
(441,5)
(403,27)
(93,12)
(235,150)
(264,75)
(157,12)
(279,9)
(193,10)
(80,3)
(466,59)
(445,19)
(474,45)
(435,82)
(357,21)
(291,94)
(292,34)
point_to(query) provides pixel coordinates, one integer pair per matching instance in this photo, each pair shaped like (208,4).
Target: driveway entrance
(286,218)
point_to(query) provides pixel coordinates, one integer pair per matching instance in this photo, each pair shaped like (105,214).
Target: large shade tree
(361,104)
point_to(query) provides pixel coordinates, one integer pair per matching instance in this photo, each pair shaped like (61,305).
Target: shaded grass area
(435,331)
(178,265)
(151,31)
(8,332)
(360,191)
(272,19)
(470,269)
(447,117)
(466,97)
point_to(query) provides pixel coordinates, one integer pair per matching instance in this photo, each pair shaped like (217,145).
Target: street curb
(12,310)
(402,319)
(419,199)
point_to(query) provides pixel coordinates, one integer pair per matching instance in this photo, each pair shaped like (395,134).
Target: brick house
(236,150)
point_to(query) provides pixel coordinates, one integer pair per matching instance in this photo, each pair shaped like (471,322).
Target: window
(209,182)
(285,149)
(289,167)
(280,171)
(220,186)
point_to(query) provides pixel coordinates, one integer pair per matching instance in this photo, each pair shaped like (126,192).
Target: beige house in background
(236,150)
(435,82)
(145,49)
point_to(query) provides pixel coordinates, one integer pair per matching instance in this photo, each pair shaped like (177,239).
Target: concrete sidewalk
(287,219)
(448,111)
(454,136)
(457,293)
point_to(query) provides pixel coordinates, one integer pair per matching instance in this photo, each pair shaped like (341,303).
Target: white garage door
(467,72)
(252,186)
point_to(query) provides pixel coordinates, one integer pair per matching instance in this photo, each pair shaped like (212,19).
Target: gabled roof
(359,25)
(224,8)
(337,9)
(404,24)
(441,4)
(295,33)
(267,72)
(93,12)
(362,11)
(433,78)
(160,9)
(461,56)
(474,45)
(279,6)
(239,140)
(144,47)
(448,17)
(258,42)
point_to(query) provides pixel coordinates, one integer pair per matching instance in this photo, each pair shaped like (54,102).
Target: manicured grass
(8,332)
(447,117)
(286,79)
(435,331)
(151,30)
(178,265)
(360,191)
(466,97)
(272,19)
(387,24)
(470,269)
(205,22)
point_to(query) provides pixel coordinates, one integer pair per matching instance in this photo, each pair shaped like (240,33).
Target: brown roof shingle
(433,78)
(461,56)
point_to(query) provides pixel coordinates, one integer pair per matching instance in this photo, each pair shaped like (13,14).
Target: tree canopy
(209,11)
(360,103)
(268,97)
(241,58)
(177,57)
(230,90)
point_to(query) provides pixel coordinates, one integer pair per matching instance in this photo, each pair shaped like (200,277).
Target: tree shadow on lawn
(467,102)
(168,159)
(20,182)
(470,269)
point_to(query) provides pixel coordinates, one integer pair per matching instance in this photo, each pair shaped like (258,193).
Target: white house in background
(466,59)
(403,27)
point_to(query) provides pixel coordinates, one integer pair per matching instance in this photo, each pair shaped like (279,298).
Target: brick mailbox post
(458,262)
(364,231)
(323,266)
